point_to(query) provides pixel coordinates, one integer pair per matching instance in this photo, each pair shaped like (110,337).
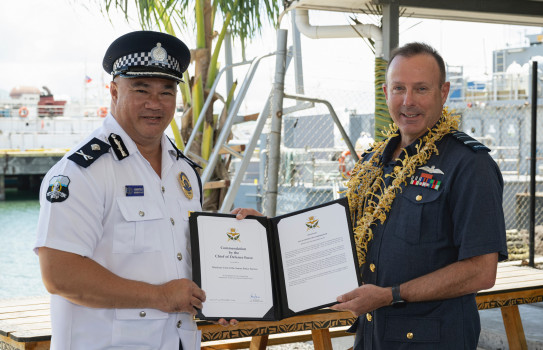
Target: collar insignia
(118,146)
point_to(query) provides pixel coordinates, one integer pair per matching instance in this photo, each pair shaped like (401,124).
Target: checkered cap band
(144,59)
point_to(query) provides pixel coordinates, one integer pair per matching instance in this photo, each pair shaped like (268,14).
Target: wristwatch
(396,297)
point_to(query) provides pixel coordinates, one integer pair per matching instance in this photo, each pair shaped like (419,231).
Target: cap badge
(159,54)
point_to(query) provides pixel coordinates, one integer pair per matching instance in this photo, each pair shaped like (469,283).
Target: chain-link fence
(506,129)
(314,157)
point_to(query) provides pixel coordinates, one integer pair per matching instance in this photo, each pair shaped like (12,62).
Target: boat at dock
(33,119)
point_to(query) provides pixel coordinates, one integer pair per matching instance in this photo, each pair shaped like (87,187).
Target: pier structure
(25,169)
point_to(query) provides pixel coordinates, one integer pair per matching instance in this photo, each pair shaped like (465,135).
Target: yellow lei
(367,180)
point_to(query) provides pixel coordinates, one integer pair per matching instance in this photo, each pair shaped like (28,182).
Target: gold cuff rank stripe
(88,154)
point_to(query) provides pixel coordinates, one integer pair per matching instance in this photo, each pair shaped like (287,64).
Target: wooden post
(321,339)
(2,188)
(259,342)
(513,328)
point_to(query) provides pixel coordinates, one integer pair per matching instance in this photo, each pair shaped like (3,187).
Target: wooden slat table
(318,323)
(515,285)
(24,323)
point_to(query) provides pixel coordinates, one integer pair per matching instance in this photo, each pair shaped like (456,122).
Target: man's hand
(363,299)
(241,213)
(181,295)
(223,322)
(454,280)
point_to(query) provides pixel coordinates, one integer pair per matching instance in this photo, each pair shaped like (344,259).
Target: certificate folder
(263,268)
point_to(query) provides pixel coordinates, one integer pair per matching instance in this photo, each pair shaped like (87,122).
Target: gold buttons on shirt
(372,267)
(172,221)
(418,198)
(141,213)
(143,314)
(368,317)
(163,189)
(409,335)
(179,323)
(179,256)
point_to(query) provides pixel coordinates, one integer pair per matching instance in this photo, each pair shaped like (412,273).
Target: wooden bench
(25,324)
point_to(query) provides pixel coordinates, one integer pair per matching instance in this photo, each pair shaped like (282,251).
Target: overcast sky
(57,43)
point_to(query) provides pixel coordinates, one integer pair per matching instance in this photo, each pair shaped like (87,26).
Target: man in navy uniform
(113,239)
(427,212)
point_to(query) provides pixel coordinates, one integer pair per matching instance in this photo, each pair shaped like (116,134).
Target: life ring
(342,166)
(23,112)
(102,112)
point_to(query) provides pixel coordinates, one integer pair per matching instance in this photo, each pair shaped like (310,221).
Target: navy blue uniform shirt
(450,210)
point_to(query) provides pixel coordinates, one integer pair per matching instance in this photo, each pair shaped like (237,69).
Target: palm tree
(382,118)
(242,18)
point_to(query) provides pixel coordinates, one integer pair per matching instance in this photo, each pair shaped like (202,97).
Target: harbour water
(19,266)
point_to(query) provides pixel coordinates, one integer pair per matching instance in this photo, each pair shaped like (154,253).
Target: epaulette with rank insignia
(469,141)
(91,151)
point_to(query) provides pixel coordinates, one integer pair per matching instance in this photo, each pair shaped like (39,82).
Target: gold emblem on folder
(312,222)
(233,235)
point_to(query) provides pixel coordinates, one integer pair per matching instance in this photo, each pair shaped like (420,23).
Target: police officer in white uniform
(113,238)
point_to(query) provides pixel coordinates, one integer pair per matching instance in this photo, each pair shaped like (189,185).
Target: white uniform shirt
(144,238)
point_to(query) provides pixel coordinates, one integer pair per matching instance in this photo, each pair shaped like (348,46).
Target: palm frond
(247,17)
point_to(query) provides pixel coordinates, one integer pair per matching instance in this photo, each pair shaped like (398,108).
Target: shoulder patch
(58,189)
(91,151)
(469,141)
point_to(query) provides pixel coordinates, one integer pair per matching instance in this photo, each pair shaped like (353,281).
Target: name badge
(134,191)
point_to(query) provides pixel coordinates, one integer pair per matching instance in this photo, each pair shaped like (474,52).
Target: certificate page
(235,267)
(317,257)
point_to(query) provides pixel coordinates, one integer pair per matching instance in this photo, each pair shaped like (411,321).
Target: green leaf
(197,100)
(213,66)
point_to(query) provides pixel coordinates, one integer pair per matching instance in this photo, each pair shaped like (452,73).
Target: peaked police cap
(147,54)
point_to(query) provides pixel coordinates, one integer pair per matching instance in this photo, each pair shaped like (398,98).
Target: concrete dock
(493,332)
(24,169)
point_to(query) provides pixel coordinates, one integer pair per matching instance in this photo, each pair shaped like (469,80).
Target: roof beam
(518,7)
